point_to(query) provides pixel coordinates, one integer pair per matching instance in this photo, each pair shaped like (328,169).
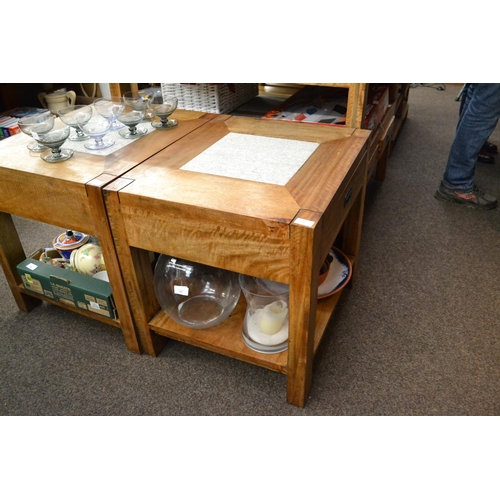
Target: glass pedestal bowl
(162,107)
(53,138)
(110,108)
(138,99)
(131,118)
(195,295)
(75,117)
(96,128)
(27,123)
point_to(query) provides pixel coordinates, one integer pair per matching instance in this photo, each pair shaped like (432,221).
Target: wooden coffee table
(69,194)
(277,232)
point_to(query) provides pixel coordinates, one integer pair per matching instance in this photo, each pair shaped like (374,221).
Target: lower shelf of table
(112,322)
(226,338)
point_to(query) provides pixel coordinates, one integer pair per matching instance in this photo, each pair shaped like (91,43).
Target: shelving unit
(384,136)
(248,227)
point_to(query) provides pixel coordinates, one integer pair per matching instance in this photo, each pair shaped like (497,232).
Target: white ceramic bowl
(88,259)
(102,275)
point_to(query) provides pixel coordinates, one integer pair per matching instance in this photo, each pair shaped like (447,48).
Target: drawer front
(342,203)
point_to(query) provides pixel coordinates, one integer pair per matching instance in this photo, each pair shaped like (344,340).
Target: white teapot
(57,100)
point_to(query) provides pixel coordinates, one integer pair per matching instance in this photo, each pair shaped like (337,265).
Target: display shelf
(226,338)
(223,339)
(112,322)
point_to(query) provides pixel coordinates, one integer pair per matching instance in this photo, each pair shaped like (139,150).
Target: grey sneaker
(472,198)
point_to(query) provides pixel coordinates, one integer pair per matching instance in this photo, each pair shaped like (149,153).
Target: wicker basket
(211,97)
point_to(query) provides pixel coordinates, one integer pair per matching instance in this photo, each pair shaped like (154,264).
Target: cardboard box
(69,287)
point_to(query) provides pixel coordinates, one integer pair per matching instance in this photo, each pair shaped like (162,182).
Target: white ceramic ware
(88,259)
(66,242)
(102,275)
(57,100)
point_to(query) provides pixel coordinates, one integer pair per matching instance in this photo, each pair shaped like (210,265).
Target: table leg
(11,254)
(304,272)
(96,201)
(136,272)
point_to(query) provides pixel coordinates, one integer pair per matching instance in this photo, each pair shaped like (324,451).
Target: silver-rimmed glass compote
(131,118)
(27,123)
(110,108)
(162,107)
(138,99)
(96,128)
(53,138)
(75,116)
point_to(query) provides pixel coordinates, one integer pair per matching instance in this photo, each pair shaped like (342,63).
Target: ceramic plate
(338,275)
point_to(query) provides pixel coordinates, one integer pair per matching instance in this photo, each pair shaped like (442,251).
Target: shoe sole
(486,161)
(442,197)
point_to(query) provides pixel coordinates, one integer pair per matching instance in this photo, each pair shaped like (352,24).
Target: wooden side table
(277,232)
(69,194)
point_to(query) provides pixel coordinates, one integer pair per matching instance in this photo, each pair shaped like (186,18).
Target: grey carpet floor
(418,334)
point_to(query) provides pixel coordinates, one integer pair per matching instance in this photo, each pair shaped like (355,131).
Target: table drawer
(342,203)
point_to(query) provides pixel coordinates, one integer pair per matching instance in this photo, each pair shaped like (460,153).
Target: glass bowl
(53,138)
(75,116)
(110,108)
(162,107)
(131,117)
(96,128)
(138,99)
(27,123)
(195,295)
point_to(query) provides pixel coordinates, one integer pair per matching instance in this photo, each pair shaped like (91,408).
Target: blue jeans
(479,114)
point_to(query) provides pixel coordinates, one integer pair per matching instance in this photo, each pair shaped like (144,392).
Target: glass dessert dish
(96,128)
(75,116)
(27,123)
(110,108)
(131,118)
(162,107)
(53,137)
(138,99)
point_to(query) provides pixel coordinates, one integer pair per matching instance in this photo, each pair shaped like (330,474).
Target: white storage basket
(211,97)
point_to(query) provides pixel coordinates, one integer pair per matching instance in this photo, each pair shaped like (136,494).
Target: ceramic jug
(57,100)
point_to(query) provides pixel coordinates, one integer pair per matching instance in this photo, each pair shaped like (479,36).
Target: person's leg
(485,154)
(476,124)
(467,92)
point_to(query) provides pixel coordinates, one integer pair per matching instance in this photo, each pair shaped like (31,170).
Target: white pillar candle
(273,317)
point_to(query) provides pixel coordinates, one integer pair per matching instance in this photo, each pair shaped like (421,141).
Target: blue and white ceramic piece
(339,274)
(66,242)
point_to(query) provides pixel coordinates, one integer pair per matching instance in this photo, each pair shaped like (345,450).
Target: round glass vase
(195,295)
